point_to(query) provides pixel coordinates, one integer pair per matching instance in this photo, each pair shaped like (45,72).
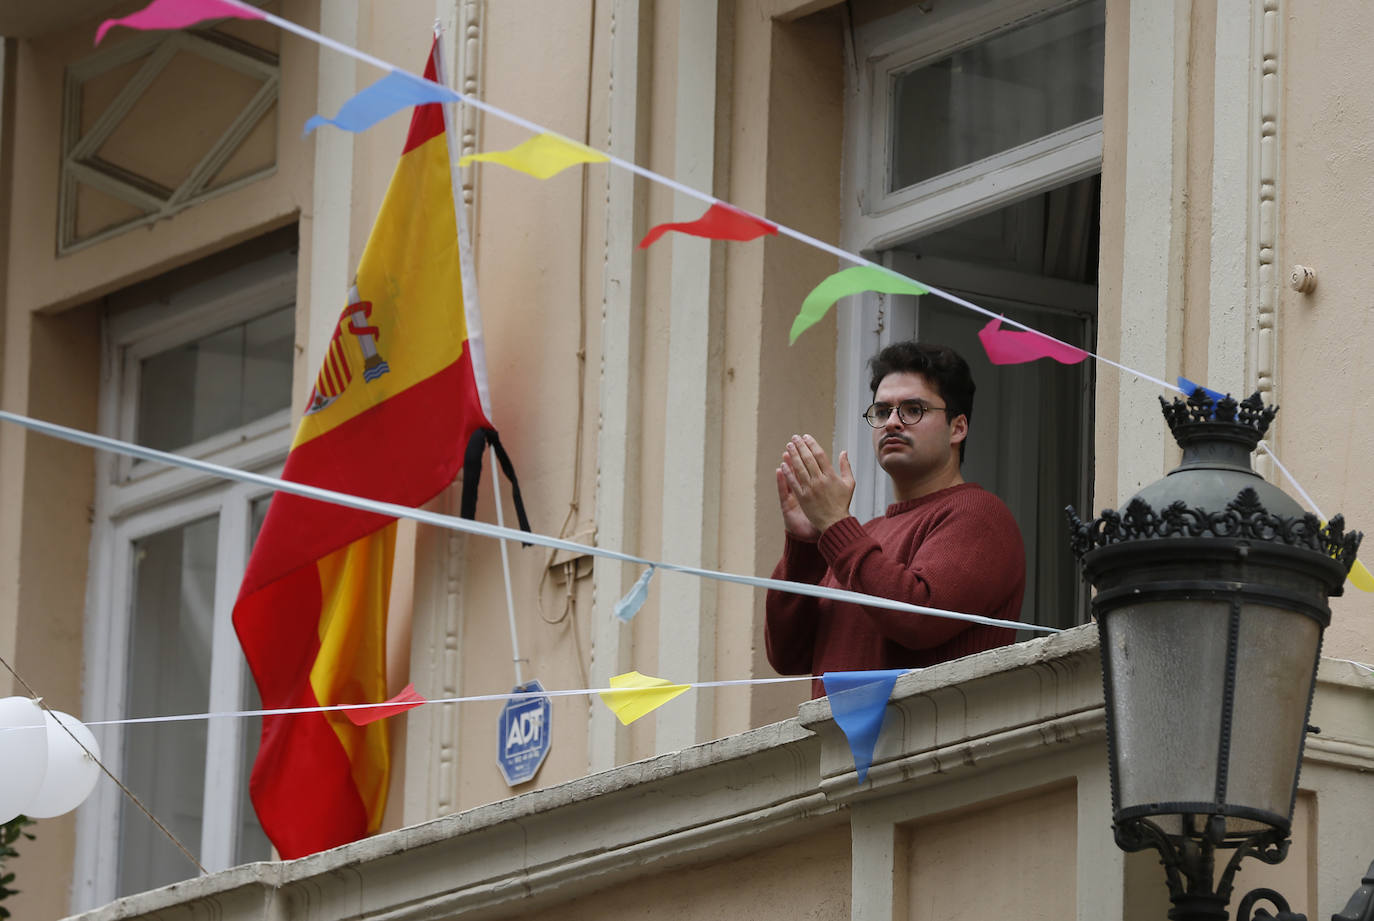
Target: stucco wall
(963,865)
(807,878)
(1325,196)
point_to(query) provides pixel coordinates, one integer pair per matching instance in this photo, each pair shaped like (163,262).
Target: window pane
(268,344)
(169,672)
(1035,262)
(1025,83)
(1054,235)
(216,383)
(250,844)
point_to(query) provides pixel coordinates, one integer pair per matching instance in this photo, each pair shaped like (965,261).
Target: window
(198,363)
(974,134)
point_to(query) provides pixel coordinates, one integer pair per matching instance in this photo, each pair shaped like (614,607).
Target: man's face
(910,453)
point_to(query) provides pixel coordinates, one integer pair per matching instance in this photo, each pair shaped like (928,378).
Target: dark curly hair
(943,367)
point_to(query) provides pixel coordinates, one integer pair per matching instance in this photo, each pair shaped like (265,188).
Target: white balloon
(23,754)
(71,772)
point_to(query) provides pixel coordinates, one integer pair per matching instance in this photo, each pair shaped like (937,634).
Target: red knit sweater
(957,549)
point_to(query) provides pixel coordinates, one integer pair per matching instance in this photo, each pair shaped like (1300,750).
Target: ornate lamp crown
(1217,437)
(1244,517)
(1202,416)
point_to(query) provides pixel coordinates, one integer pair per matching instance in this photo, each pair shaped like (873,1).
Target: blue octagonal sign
(524,732)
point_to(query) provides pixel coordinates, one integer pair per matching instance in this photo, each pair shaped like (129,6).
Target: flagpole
(505,569)
(475,345)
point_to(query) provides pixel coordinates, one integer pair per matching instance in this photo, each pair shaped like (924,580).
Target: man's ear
(958,429)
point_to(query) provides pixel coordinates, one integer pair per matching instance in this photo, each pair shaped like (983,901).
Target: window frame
(212,306)
(876,220)
(134,502)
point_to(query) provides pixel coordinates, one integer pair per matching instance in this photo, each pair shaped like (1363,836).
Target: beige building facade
(1143,179)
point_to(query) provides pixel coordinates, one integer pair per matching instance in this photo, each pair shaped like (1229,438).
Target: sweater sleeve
(971,561)
(790,624)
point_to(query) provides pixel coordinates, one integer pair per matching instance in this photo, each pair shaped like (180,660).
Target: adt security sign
(523,733)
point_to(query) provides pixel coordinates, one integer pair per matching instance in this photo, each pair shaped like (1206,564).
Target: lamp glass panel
(1167,662)
(1276,655)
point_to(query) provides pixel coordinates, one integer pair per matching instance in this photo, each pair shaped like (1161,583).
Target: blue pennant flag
(629,606)
(1190,388)
(396,91)
(858,700)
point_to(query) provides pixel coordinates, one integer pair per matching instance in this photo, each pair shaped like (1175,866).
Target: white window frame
(135,501)
(218,303)
(875,219)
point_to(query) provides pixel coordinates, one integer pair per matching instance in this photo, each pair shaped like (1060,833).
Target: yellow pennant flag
(637,694)
(541,156)
(1360,577)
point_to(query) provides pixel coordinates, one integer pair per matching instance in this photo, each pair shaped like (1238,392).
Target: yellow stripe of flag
(355,584)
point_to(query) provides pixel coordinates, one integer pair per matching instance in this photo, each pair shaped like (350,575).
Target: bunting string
(710,200)
(1359,574)
(391,704)
(246,10)
(393,510)
(1050,346)
(887,279)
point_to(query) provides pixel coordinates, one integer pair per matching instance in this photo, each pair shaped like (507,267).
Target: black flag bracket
(472,476)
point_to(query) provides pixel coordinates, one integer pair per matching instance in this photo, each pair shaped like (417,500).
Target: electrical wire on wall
(567,528)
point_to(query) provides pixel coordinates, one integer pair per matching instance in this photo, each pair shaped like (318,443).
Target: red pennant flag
(720,222)
(408,699)
(392,410)
(1014,347)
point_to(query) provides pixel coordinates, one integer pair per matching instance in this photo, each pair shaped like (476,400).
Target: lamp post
(1211,599)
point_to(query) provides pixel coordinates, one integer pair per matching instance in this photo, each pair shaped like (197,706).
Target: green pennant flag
(844,283)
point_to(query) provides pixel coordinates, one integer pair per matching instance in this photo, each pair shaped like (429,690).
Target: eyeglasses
(909,412)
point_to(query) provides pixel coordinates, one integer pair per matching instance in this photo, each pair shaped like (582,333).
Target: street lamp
(1211,599)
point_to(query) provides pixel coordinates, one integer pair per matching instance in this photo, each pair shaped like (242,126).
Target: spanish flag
(392,410)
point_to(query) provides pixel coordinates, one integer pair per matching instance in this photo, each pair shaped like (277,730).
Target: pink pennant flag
(1014,347)
(408,699)
(177,14)
(720,222)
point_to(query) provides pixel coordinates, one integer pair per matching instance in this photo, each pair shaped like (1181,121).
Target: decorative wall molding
(82,160)
(1267,93)
(437,635)
(462,21)
(432,782)
(445,798)
(618,392)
